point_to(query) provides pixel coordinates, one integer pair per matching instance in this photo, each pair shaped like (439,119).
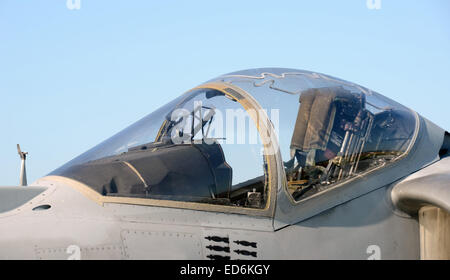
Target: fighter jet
(265,163)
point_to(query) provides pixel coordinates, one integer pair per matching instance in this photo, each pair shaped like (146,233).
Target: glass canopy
(206,146)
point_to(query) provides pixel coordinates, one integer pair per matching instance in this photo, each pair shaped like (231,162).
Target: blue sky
(71,78)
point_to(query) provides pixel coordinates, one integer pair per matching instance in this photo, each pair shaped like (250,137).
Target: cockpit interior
(337,136)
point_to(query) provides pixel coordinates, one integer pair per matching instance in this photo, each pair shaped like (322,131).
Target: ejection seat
(330,132)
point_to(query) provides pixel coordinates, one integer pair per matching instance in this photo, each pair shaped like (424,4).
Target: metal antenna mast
(23,171)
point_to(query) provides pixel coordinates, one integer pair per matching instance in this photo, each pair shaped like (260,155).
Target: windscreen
(202,147)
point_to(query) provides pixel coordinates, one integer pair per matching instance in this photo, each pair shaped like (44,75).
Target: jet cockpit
(234,139)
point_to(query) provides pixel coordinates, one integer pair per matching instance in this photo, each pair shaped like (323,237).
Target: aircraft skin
(399,211)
